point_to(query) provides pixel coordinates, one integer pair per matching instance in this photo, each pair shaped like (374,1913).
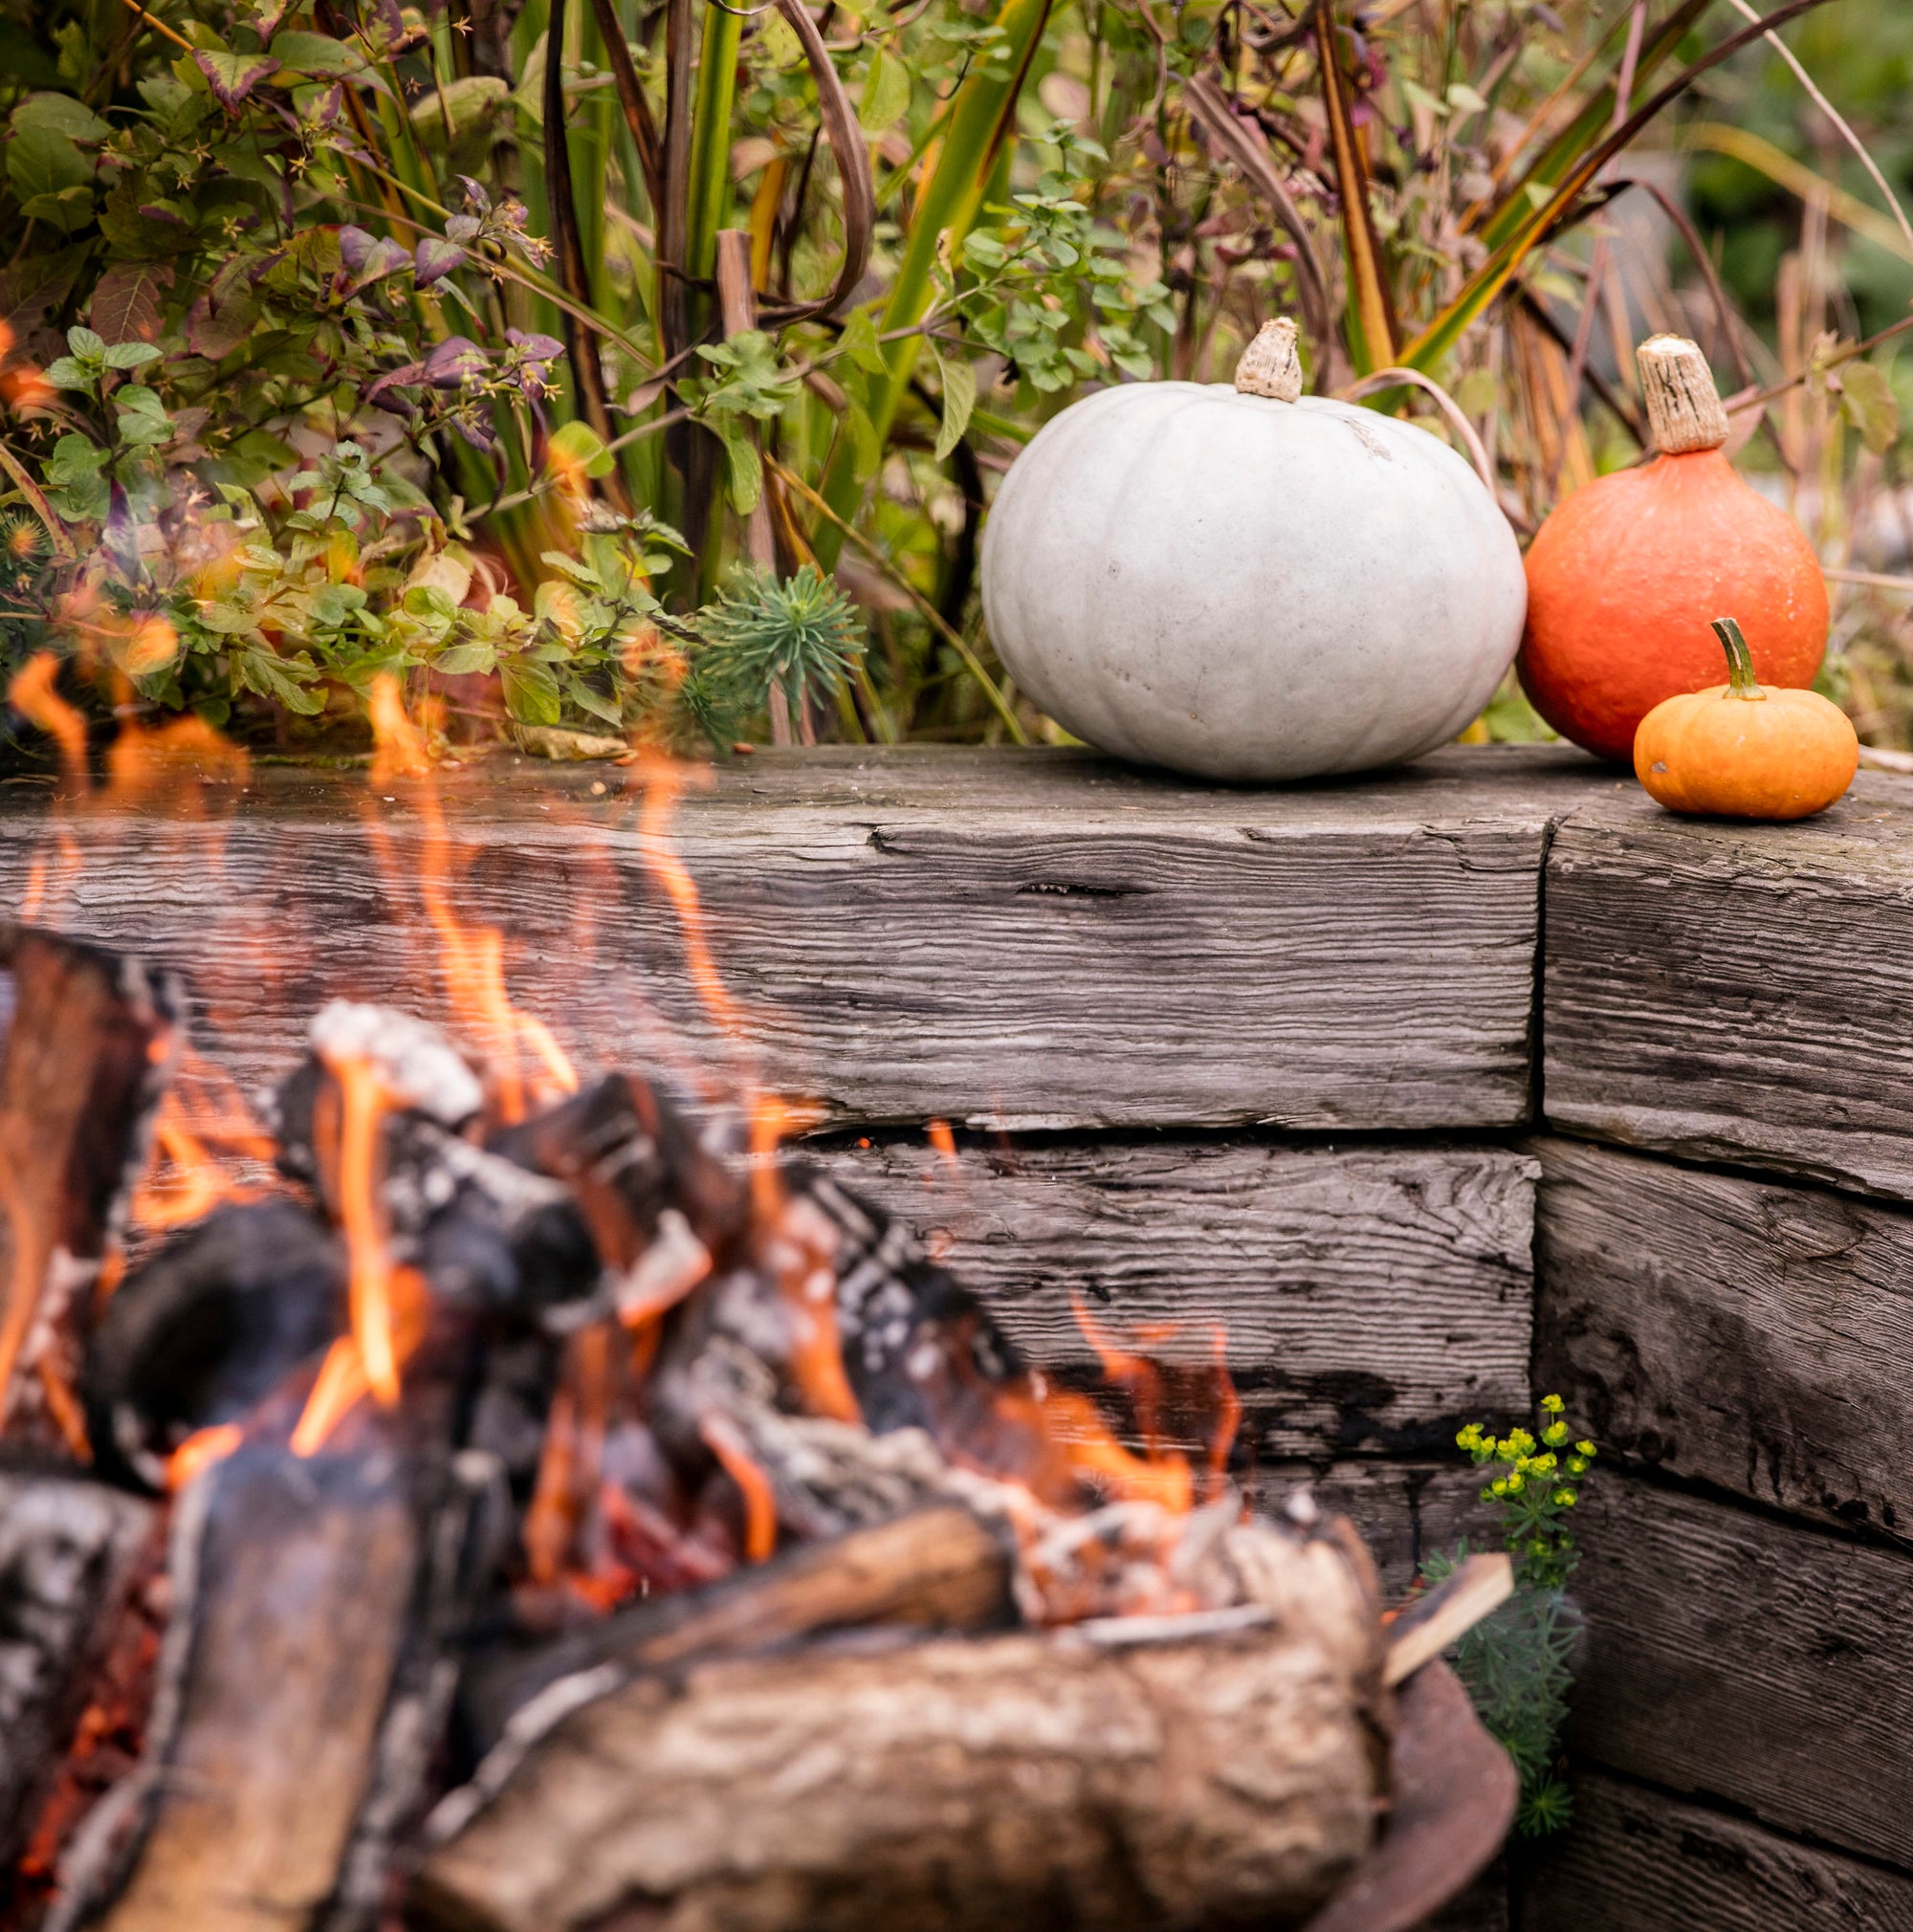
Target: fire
(202,1125)
(470,958)
(32,694)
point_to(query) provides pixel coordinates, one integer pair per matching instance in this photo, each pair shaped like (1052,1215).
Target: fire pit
(461,1492)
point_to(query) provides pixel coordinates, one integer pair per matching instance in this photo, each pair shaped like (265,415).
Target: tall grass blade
(1565,206)
(981,116)
(1370,312)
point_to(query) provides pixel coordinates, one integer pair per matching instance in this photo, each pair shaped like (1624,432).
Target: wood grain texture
(1744,1659)
(1636,1861)
(1737,993)
(1032,941)
(1746,1333)
(1405,1511)
(1371,1299)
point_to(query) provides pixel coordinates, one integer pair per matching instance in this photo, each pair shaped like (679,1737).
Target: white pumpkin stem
(1270,366)
(1684,407)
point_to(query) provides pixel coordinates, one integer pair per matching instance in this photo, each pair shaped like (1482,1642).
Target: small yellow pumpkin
(1739,751)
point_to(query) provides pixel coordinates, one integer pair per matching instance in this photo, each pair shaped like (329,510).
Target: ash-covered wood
(634,1160)
(68,1549)
(89,1044)
(302,1684)
(213,1323)
(942,1568)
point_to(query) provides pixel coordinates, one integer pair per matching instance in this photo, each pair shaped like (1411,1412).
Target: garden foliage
(349,336)
(1518,1663)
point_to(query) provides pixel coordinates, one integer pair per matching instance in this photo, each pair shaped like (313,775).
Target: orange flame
(201,1450)
(32,695)
(471,959)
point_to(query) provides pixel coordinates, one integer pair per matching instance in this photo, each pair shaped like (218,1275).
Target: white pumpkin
(1250,585)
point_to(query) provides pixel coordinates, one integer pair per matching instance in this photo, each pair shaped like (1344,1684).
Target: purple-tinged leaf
(368,257)
(476,198)
(462,229)
(454,362)
(233,77)
(435,259)
(380,392)
(538,348)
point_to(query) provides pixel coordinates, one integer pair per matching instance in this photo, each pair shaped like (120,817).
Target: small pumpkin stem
(1270,366)
(1741,680)
(1684,407)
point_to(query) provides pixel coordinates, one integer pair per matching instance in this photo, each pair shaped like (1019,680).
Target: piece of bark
(942,1568)
(1039,1780)
(89,1046)
(1026,938)
(301,1682)
(1746,1333)
(1452,1794)
(1757,1661)
(68,1549)
(1367,1299)
(1638,1860)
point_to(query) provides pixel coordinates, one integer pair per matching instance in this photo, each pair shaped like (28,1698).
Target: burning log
(90,1041)
(303,1686)
(943,1568)
(1130,1773)
(68,1549)
(215,1322)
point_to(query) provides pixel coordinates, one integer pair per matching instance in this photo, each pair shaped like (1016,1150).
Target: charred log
(68,1549)
(216,1320)
(943,1568)
(634,1161)
(89,1045)
(303,1685)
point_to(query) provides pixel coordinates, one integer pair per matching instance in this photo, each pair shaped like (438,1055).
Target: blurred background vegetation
(645,367)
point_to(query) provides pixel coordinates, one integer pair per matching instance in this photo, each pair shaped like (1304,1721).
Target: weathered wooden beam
(67,1551)
(1749,1334)
(1369,1299)
(1737,1657)
(1405,1511)
(1032,939)
(1639,1860)
(1737,992)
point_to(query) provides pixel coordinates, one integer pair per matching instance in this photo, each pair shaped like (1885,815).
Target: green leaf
(859,342)
(960,397)
(464,660)
(73,460)
(586,698)
(233,77)
(60,114)
(130,355)
(317,54)
(260,670)
(531,692)
(65,373)
(886,92)
(747,474)
(41,161)
(142,419)
(577,447)
(88,345)
(1867,401)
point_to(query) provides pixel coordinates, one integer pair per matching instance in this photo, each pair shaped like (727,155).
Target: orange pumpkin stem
(1741,680)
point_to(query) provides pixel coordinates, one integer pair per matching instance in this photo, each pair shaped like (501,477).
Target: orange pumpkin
(1625,574)
(1740,752)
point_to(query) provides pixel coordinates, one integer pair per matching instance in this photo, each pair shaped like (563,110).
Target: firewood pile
(563,1510)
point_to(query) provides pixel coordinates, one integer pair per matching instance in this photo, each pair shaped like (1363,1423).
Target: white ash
(418,1065)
